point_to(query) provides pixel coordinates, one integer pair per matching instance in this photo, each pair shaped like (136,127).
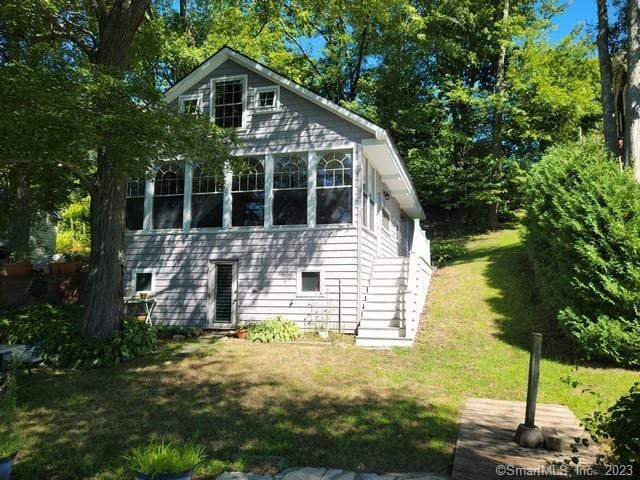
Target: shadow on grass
(78,424)
(519,307)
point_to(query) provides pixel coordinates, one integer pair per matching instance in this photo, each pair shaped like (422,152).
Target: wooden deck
(485,441)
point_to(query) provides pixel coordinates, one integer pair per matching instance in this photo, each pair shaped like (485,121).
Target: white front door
(222,294)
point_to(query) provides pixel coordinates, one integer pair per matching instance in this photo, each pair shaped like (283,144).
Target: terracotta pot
(64,267)
(17,269)
(242,333)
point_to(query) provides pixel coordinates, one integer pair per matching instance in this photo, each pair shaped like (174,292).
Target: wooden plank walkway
(485,441)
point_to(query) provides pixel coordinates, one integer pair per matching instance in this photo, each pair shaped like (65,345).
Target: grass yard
(332,406)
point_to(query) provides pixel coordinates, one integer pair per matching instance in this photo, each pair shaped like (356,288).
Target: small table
(148,304)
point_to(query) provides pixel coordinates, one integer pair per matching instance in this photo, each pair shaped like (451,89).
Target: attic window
(229,99)
(190,103)
(266,99)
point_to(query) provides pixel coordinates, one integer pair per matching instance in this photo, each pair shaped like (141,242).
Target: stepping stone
(306,473)
(334,474)
(421,476)
(242,476)
(374,476)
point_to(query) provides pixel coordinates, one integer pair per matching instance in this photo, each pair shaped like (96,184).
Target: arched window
(247,189)
(206,199)
(168,197)
(290,190)
(135,204)
(334,188)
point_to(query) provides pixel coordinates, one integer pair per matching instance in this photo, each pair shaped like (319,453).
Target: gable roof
(390,166)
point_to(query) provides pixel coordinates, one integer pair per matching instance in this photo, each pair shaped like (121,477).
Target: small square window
(143,282)
(266,99)
(310,282)
(190,103)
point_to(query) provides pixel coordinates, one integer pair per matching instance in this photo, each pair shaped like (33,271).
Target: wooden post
(534,378)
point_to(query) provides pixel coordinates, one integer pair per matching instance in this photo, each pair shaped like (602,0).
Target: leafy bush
(57,332)
(10,440)
(168,331)
(277,329)
(160,457)
(444,251)
(620,424)
(583,219)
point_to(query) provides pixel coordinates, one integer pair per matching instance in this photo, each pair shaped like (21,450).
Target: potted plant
(165,460)
(19,263)
(242,332)
(9,438)
(61,264)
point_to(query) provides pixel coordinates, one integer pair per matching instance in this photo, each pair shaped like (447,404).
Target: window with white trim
(228,102)
(266,99)
(368,195)
(190,103)
(142,281)
(385,219)
(247,191)
(310,282)
(334,188)
(207,198)
(168,197)
(134,208)
(290,190)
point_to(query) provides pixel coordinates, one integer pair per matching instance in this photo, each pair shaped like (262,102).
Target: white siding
(267,273)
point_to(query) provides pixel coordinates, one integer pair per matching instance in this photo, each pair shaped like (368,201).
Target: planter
(163,476)
(243,333)
(6,464)
(64,267)
(18,269)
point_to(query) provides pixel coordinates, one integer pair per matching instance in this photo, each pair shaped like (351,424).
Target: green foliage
(74,232)
(583,218)
(620,424)
(10,439)
(444,251)
(168,331)
(165,457)
(277,329)
(57,332)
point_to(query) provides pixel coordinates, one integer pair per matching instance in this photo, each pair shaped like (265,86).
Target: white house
(322,228)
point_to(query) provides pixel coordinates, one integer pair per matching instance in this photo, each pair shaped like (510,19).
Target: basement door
(222,294)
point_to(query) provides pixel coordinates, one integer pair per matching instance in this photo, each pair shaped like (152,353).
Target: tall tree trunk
(19,229)
(104,309)
(496,124)
(606,80)
(632,142)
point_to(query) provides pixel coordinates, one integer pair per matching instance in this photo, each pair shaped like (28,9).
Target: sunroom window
(135,204)
(168,197)
(334,188)
(247,189)
(206,199)
(290,190)
(228,100)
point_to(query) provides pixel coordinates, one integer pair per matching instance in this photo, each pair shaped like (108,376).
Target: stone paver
(308,473)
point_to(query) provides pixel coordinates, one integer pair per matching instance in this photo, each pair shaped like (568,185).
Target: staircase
(382,321)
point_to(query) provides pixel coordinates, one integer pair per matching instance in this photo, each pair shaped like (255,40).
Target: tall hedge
(583,238)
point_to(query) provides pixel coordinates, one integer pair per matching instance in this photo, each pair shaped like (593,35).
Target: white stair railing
(418,278)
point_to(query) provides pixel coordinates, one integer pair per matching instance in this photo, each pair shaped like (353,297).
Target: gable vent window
(247,190)
(266,99)
(334,188)
(228,102)
(168,197)
(190,103)
(207,199)
(135,204)
(290,191)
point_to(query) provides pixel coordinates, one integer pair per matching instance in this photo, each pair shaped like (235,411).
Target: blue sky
(579,12)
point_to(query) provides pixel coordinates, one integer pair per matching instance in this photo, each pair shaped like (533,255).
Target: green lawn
(333,406)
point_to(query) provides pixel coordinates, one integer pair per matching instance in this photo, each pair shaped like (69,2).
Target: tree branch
(75,170)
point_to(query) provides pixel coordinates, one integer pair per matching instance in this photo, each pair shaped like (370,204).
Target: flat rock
(242,476)
(421,476)
(375,476)
(335,474)
(305,473)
